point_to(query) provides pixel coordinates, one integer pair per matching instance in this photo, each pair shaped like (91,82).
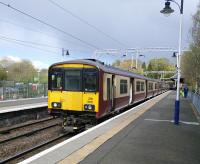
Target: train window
(156,86)
(138,86)
(90,81)
(56,81)
(150,86)
(123,86)
(142,86)
(73,80)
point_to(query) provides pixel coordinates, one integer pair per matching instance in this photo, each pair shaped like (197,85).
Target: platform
(144,134)
(22,104)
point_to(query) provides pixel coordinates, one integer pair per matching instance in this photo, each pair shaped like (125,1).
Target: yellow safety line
(80,154)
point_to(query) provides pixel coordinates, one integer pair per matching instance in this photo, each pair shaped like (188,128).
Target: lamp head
(174,54)
(67,53)
(167,10)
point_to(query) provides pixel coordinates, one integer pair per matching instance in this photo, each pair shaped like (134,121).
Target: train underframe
(73,121)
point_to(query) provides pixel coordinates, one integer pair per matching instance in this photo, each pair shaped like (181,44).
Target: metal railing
(16,90)
(195,98)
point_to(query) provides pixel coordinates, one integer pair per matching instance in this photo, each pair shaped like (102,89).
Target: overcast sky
(133,23)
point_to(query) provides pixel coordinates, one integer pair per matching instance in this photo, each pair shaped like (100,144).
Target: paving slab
(25,101)
(22,104)
(87,141)
(153,138)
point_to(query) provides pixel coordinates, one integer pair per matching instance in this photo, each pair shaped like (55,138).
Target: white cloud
(14,58)
(136,23)
(11,58)
(39,65)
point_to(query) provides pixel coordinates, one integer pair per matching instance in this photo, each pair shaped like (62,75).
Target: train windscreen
(90,80)
(73,80)
(69,79)
(56,80)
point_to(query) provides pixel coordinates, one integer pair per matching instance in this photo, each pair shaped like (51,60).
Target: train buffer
(144,134)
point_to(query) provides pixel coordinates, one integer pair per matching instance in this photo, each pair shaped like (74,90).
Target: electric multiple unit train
(82,91)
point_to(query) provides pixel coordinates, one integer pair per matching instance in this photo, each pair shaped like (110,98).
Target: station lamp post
(167,10)
(6,75)
(137,56)
(38,71)
(136,60)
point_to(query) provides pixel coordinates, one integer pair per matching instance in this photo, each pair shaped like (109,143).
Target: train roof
(105,68)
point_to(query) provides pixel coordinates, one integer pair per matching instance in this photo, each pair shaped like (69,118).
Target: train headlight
(89,107)
(56,105)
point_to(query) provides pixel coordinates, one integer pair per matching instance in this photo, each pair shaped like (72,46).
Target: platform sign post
(167,11)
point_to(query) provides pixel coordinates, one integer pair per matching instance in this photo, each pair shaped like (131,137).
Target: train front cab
(73,90)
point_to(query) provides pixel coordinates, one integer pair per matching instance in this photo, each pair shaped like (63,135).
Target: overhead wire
(29,42)
(49,25)
(26,45)
(86,22)
(40,49)
(37,31)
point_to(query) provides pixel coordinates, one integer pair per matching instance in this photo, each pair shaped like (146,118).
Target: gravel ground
(22,144)
(21,124)
(24,130)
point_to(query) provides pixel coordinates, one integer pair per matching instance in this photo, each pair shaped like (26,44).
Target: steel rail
(25,125)
(28,134)
(33,149)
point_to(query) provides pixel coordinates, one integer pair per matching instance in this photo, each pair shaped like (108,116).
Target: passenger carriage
(85,90)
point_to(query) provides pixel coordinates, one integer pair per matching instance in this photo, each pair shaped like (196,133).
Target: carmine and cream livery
(82,91)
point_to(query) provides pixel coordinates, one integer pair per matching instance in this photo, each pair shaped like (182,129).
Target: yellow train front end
(73,92)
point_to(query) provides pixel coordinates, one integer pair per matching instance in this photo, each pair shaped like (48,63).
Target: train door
(90,88)
(146,90)
(113,93)
(109,91)
(70,96)
(131,91)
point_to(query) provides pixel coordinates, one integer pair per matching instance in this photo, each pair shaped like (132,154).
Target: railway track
(28,133)
(22,129)
(36,147)
(21,139)
(9,129)
(21,154)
